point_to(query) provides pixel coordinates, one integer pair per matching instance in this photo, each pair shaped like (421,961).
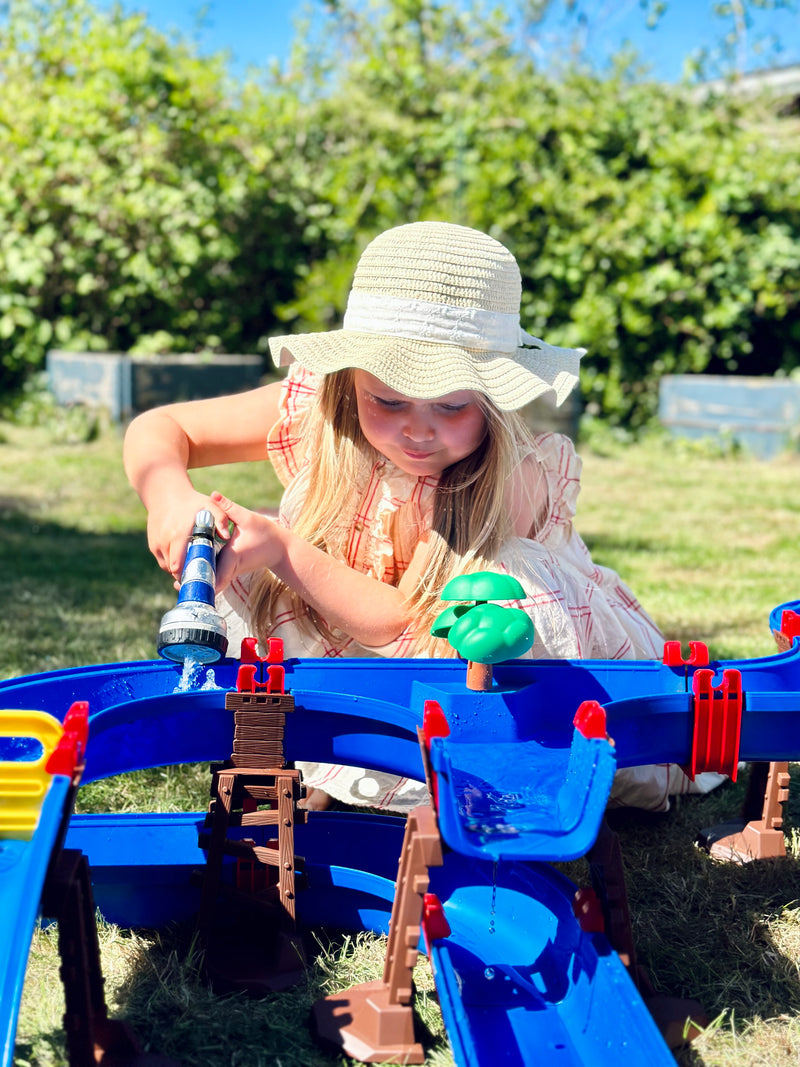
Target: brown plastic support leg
(608,881)
(752,837)
(373,1022)
(251,944)
(222,790)
(286,884)
(92,1038)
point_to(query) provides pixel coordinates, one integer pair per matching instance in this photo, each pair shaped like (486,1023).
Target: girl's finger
(228,506)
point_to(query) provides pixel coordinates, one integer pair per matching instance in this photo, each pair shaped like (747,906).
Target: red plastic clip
(790,624)
(434,920)
(77,719)
(590,720)
(69,752)
(246,678)
(249,878)
(249,653)
(250,661)
(588,910)
(434,723)
(65,756)
(673,655)
(276,675)
(717,723)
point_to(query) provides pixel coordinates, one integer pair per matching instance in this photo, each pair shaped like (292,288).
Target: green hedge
(147,202)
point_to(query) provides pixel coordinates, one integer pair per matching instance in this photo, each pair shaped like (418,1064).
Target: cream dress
(579,610)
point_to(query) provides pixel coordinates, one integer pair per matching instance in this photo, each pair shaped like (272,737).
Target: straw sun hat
(434,308)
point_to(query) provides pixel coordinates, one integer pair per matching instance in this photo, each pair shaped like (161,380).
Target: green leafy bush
(129,213)
(656,227)
(149,203)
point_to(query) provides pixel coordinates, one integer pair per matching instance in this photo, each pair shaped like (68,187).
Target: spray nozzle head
(192,632)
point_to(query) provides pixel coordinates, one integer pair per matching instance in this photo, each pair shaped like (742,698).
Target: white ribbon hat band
(421,320)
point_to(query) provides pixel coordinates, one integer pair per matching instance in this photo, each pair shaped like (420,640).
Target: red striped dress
(579,609)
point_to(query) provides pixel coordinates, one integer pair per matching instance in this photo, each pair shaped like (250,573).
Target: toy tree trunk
(479,676)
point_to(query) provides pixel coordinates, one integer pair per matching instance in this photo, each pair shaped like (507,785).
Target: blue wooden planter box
(760,414)
(125,385)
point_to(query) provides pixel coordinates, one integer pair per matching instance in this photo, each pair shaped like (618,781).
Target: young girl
(405,462)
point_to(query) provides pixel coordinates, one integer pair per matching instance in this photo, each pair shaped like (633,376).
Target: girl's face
(421,437)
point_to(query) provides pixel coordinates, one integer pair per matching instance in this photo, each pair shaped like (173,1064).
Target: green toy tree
(483,632)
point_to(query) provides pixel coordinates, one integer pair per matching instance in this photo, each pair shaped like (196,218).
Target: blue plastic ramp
(521,983)
(23,867)
(520,800)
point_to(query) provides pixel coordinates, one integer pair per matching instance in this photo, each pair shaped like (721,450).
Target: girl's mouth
(417,455)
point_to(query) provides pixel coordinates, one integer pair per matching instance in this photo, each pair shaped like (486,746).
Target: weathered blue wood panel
(760,414)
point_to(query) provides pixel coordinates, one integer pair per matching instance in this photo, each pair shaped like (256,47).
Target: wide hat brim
(425,369)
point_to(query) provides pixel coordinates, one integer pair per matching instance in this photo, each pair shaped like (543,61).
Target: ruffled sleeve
(401,517)
(287,440)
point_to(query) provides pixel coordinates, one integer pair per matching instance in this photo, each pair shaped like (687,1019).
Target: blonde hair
(470,520)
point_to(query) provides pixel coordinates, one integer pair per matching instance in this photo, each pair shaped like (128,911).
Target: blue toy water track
(518,979)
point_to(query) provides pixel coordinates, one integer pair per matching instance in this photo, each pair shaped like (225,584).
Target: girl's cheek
(469,422)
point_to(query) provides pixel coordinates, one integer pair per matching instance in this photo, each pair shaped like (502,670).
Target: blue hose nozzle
(194,629)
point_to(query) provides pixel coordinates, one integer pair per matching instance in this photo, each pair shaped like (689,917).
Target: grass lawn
(709,544)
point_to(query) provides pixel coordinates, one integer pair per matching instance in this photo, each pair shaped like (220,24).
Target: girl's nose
(418,427)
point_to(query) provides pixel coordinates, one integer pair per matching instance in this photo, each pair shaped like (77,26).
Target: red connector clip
(70,751)
(248,653)
(246,679)
(434,724)
(673,655)
(434,920)
(588,910)
(717,723)
(590,720)
(251,663)
(790,625)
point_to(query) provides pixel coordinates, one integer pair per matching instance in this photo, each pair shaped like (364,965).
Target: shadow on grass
(722,933)
(167,1001)
(73,597)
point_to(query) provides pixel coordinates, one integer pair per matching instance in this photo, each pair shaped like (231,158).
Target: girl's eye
(385,403)
(450,408)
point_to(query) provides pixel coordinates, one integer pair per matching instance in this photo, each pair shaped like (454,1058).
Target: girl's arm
(162,445)
(370,611)
(527,498)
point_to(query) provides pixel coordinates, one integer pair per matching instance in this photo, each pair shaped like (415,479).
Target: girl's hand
(257,541)
(169,527)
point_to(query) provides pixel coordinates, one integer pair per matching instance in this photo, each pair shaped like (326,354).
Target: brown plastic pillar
(373,1022)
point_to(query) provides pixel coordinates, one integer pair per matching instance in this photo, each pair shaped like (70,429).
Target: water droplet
(188,679)
(494,897)
(489,973)
(211,680)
